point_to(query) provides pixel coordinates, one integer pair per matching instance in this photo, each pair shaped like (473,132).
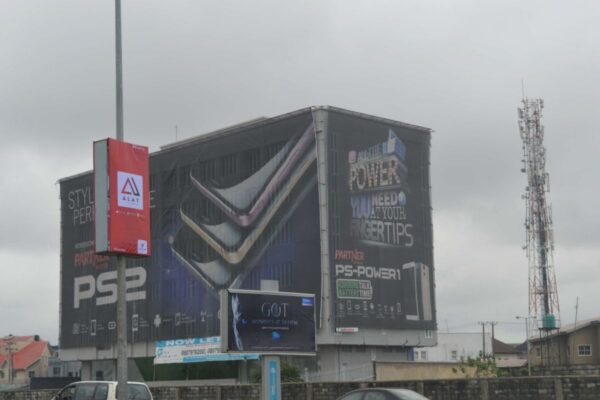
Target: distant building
(452,347)
(58,368)
(22,358)
(509,355)
(571,345)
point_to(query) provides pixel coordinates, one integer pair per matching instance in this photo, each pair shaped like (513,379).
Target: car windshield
(405,394)
(137,392)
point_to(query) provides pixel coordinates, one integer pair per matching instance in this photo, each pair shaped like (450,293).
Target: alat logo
(130,190)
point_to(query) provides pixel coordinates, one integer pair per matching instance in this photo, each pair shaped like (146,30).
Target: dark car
(382,394)
(102,390)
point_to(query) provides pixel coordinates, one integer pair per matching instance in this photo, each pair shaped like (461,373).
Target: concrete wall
(354,363)
(419,371)
(534,388)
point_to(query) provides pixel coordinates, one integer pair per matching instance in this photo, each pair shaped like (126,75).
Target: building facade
(454,347)
(322,200)
(572,345)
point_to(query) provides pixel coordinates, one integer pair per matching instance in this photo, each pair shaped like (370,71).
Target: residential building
(576,344)
(509,355)
(454,346)
(23,357)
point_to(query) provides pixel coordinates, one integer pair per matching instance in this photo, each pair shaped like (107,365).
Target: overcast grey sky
(453,66)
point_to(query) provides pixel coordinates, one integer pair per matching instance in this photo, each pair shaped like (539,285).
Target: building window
(538,352)
(31,374)
(1,374)
(428,333)
(56,371)
(454,355)
(584,350)
(423,355)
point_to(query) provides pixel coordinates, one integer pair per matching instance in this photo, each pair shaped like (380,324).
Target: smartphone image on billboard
(417,291)
(409,291)
(232,242)
(425,282)
(206,264)
(245,201)
(93,327)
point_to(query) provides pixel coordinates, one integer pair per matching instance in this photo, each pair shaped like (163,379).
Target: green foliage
(484,366)
(290,373)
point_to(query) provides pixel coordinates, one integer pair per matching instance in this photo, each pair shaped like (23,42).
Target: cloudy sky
(453,66)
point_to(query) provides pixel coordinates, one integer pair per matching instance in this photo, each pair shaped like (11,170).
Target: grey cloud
(453,66)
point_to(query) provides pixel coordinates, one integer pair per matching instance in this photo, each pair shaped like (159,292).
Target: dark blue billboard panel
(226,212)
(380,224)
(270,322)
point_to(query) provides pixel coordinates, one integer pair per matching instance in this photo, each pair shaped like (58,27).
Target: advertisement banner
(270,322)
(194,350)
(226,211)
(381,235)
(122,202)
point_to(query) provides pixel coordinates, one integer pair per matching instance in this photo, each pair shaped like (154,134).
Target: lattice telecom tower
(543,294)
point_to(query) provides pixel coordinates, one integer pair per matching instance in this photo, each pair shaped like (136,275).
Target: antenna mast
(543,294)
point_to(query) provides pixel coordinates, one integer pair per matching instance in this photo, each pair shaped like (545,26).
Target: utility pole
(482,323)
(528,345)
(10,348)
(576,309)
(492,324)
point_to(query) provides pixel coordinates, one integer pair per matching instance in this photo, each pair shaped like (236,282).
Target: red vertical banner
(127,205)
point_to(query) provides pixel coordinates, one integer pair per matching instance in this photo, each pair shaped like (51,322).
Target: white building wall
(354,363)
(451,347)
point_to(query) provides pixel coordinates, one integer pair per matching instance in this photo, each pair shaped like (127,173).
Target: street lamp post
(528,349)
(121,262)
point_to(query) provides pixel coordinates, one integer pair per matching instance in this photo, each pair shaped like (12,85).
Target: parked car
(382,394)
(102,390)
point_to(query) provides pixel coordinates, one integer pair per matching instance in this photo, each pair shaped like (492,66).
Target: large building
(322,200)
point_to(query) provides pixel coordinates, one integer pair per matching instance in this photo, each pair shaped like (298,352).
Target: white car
(102,390)
(382,394)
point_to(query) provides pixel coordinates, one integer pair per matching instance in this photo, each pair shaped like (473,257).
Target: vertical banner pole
(121,262)
(271,365)
(271,378)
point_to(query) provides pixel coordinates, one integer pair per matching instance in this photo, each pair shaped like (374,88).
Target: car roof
(386,389)
(108,382)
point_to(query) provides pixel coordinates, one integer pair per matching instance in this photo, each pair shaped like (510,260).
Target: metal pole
(528,349)
(121,264)
(526,319)
(119,67)
(271,364)
(483,356)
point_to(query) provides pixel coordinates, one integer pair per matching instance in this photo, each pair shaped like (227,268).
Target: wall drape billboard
(380,218)
(226,212)
(241,206)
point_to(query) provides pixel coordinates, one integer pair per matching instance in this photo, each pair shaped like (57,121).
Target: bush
(289,374)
